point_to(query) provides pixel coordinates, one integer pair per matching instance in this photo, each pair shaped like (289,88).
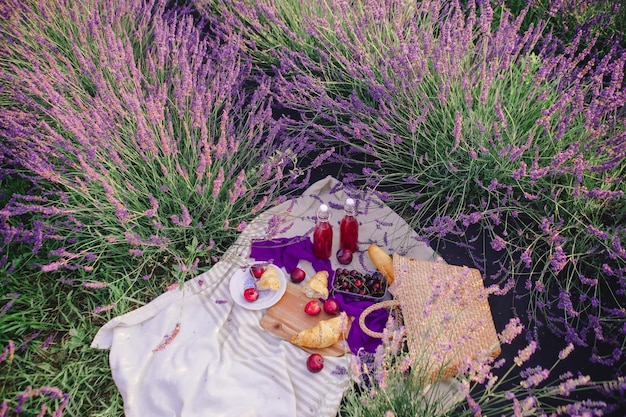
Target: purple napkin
(375,321)
(287,252)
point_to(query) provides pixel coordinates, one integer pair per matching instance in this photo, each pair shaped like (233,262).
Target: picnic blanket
(194,352)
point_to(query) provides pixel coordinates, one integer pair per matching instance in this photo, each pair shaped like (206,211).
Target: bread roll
(269,279)
(324,334)
(317,285)
(383,262)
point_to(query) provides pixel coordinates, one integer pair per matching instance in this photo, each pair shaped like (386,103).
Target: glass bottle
(323,234)
(349,228)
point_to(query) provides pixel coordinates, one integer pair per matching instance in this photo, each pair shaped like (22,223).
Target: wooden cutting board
(287,317)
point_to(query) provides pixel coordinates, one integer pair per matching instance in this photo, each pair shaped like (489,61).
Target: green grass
(52,325)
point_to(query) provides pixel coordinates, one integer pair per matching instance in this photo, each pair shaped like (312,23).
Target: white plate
(267,298)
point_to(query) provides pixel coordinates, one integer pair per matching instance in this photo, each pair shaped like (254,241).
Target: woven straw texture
(446,314)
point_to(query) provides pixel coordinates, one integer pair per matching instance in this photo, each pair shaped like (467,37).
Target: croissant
(324,334)
(317,286)
(269,280)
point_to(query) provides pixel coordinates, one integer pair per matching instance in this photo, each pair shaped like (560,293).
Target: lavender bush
(147,143)
(392,383)
(400,380)
(133,149)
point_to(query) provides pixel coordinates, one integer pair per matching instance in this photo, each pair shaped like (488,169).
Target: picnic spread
(208,349)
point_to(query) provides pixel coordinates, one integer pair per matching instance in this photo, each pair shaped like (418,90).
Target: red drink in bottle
(323,234)
(349,228)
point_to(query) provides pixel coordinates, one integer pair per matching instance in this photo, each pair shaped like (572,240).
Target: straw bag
(445,312)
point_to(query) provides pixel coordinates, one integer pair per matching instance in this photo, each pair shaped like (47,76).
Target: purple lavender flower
(242,226)
(186,217)
(136,252)
(524,355)
(168,339)
(239,188)
(558,259)
(511,330)
(441,226)
(101,309)
(8,352)
(94,284)
(498,243)
(217,183)
(14,296)
(154,206)
(533,376)
(526,258)
(47,342)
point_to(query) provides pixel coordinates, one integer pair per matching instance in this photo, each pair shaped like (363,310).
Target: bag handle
(383,304)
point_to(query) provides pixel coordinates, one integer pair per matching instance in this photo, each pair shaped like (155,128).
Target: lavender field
(139,138)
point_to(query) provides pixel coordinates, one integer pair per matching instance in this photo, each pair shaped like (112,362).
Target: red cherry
(312,308)
(344,256)
(257,270)
(331,306)
(315,362)
(297,275)
(251,294)
(358,283)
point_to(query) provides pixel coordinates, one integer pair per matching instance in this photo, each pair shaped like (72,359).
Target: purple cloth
(375,321)
(287,252)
